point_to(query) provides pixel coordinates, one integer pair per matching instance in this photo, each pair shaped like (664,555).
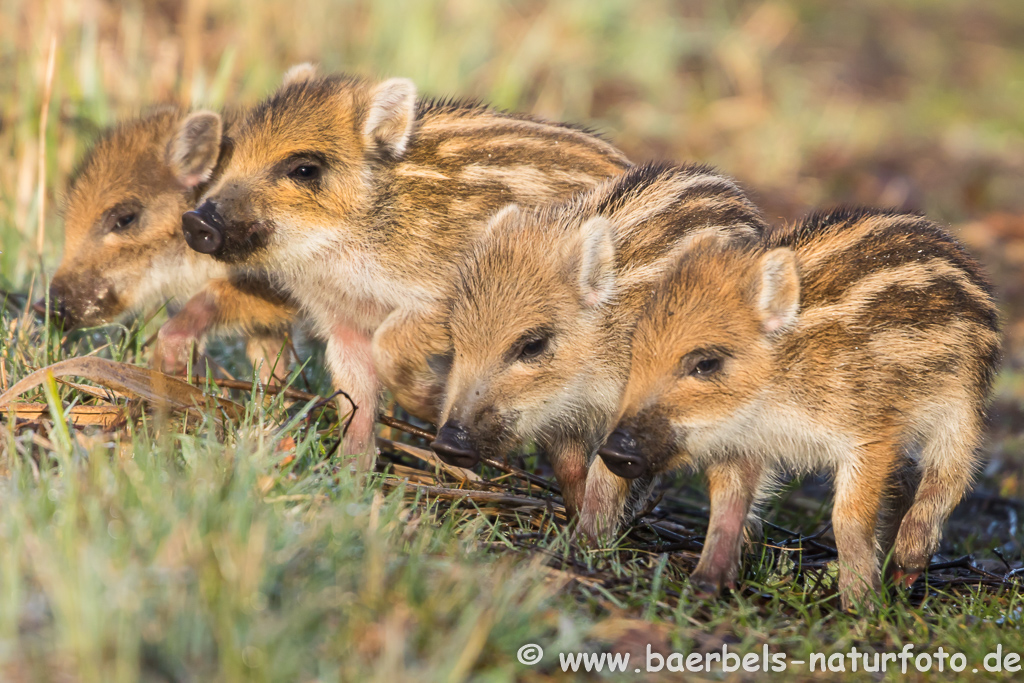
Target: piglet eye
(706,367)
(533,348)
(305,172)
(124,221)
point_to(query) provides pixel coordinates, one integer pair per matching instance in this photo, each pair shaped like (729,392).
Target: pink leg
(604,501)
(184,333)
(732,486)
(569,461)
(351,365)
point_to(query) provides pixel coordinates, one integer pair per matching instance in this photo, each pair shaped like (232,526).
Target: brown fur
(852,341)
(124,250)
(397,188)
(576,276)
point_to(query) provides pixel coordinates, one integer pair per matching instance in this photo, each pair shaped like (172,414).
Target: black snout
(203,229)
(453,446)
(621,455)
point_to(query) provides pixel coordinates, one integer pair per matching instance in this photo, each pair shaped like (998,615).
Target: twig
(247,386)
(476,496)
(406,427)
(1013,574)
(812,539)
(539,482)
(999,553)
(965,562)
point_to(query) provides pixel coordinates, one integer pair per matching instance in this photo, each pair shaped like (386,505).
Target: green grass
(174,551)
(186,551)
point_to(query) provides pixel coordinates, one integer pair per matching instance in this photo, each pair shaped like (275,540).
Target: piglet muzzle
(454,446)
(203,229)
(622,456)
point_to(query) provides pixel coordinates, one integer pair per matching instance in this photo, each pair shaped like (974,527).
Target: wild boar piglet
(123,248)
(358,199)
(542,310)
(856,341)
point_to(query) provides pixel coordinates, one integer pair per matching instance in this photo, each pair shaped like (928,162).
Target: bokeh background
(915,104)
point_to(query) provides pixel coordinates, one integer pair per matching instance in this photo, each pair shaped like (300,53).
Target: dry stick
(44,116)
(444,493)
(416,431)
(247,386)
(386,420)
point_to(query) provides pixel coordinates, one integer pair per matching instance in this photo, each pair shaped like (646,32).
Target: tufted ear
(193,150)
(779,298)
(597,262)
(389,119)
(300,73)
(505,214)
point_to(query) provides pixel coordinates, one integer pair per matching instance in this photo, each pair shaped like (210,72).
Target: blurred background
(916,104)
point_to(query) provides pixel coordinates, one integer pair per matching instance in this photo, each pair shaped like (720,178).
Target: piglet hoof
(590,532)
(585,540)
(359,458)
(905,578)
(173,351)
(169,361)
(708,585)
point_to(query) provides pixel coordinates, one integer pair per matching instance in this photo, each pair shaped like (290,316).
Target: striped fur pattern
(124,249)
(360,199)
(543,308)
(862,342)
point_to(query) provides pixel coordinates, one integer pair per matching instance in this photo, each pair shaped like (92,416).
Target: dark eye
(305,172)
(533,348)
(123,221)
(706,367)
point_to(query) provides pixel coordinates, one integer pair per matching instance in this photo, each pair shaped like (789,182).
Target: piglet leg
(732,488)
(949,457)
(183,334)
(350,361)
(860,485)
(604,503)
(568,458)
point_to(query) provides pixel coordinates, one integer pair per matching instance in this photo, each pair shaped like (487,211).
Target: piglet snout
(203,229)
(621,455)
(454,446)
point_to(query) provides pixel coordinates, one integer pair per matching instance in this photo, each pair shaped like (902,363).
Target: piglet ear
(390,116)
(501,218)
(300,73)
(193,150)
(779,298)
(597,262)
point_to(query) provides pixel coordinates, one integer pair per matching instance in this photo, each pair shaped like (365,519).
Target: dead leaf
(147,384)
(80,416)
